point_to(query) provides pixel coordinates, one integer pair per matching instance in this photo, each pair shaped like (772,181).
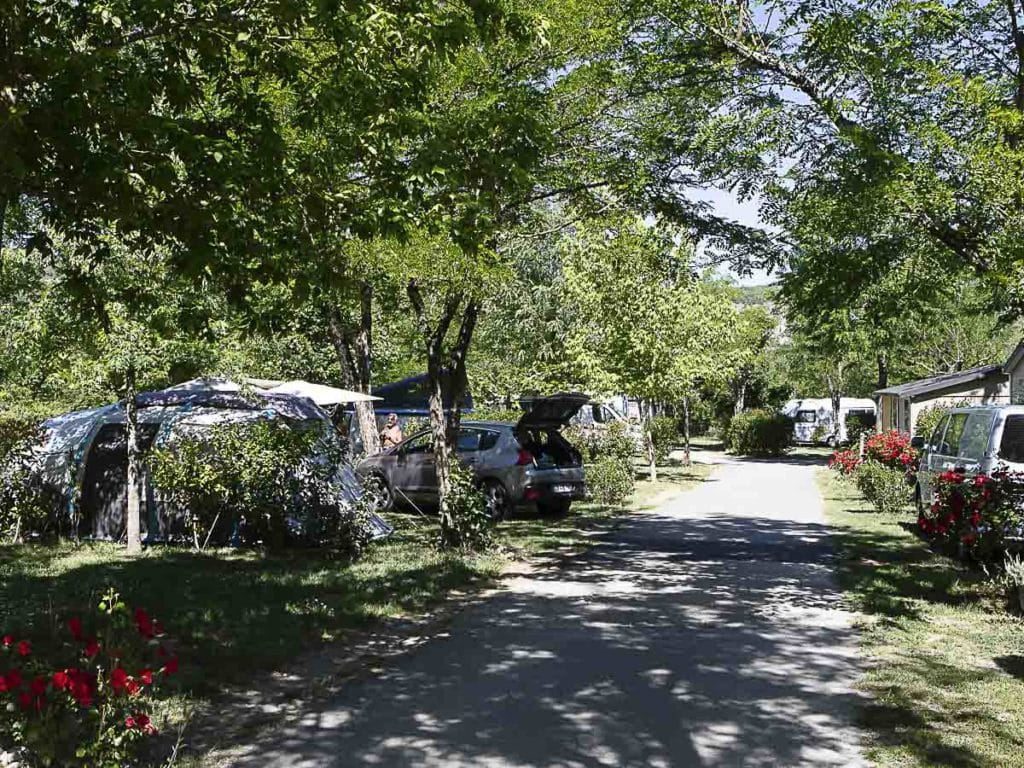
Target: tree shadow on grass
(233,613)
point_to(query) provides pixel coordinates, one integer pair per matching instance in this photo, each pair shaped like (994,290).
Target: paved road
(707,633)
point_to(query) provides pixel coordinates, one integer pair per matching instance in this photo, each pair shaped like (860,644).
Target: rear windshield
(1011,448)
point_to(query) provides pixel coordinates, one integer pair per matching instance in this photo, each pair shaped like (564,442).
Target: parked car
(974,440)
(526,465)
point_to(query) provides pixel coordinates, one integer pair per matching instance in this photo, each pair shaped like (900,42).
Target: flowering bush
(975,514)
(93,706)
(844,462)
(891,449)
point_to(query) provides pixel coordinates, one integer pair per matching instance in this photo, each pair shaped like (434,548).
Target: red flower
(144,624)
(118,680)
(38,686)
(8,641)
(61,680)
(969,539)
(24,648)
(146,676)
(140,721)
(82,687)
(91,649)
(75,627)
(25,700)
(171,666)
(13,679)
(133,687)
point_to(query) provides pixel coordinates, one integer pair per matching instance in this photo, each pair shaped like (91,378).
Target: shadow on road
(676,641)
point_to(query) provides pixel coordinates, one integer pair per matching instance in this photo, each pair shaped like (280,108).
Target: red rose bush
(89,703)
(976,515)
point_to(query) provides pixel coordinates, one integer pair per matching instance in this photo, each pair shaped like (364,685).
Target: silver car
(528,465)
(973,440)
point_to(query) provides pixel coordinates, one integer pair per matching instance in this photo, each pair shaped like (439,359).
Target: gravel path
(706,633)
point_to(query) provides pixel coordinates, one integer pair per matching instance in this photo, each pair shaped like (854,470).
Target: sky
(728,206)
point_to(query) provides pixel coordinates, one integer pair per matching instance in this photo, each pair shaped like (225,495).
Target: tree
(642,323)
(887,124)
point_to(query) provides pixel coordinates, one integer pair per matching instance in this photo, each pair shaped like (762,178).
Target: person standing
(391,435)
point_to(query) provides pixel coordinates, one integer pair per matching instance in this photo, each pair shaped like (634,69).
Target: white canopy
(321,394)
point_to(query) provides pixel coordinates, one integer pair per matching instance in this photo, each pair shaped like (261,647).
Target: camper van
(812,418)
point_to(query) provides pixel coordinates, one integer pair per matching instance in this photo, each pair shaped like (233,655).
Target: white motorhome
(813,418)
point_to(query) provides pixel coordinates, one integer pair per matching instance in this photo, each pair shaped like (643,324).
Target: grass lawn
(946,675)
(236,614)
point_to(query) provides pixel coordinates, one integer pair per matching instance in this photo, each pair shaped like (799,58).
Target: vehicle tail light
(525,458)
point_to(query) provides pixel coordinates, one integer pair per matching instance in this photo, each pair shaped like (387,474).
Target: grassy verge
(946,675)
(673,477)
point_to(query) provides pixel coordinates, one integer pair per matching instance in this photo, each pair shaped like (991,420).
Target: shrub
(265,480)
(759,433)
(664,434)
(855,427)
(884,487)
(891,449)
(90,703)
(844,462)
(608,456)
(610,480)
(613,440)
(27,505)
(491,413)
(975,514)
(472,527)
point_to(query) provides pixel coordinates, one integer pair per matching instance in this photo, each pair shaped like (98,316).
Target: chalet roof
(942,382)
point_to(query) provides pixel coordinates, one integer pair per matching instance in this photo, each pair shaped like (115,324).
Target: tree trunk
(649,430)
(686,431)
(835,392)
(355,356)
(445,384)
(131,423)
(883,370)
(741,393)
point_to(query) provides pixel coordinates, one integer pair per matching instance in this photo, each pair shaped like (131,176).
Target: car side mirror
(917,441)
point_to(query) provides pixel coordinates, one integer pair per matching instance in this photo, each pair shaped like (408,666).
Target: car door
(931,461)
(414,461)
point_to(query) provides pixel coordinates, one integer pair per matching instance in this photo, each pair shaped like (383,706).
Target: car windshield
(807,417)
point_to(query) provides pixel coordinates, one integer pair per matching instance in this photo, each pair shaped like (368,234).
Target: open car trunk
(550,450)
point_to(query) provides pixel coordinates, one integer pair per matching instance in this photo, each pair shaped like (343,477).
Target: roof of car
(468,423)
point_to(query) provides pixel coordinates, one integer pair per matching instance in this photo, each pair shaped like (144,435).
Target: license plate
(563,488)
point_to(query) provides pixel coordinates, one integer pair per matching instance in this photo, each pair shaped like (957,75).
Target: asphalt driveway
(707,633)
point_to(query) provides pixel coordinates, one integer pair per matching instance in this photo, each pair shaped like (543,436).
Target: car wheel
(555,508)
(496,499)
(379,490)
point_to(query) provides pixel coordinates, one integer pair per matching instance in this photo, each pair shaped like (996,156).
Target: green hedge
(759,433)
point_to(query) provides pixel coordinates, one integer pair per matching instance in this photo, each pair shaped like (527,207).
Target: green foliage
(759,433)
(928,419)
(489,413)
(608,459)
(664,431)
(884,487)
(27,505)
(264,477)
(855,427)
(610,480)
(472,527)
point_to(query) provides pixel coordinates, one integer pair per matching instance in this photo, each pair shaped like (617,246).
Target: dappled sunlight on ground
(705,634)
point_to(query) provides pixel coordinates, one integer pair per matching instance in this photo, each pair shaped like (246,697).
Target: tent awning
(320,393)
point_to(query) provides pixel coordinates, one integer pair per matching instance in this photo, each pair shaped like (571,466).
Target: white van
(597,415)
(813,418)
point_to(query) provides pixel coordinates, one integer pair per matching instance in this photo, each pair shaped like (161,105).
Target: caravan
(813,418)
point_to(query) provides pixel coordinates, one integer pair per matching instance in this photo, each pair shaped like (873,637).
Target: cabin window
(807,417)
